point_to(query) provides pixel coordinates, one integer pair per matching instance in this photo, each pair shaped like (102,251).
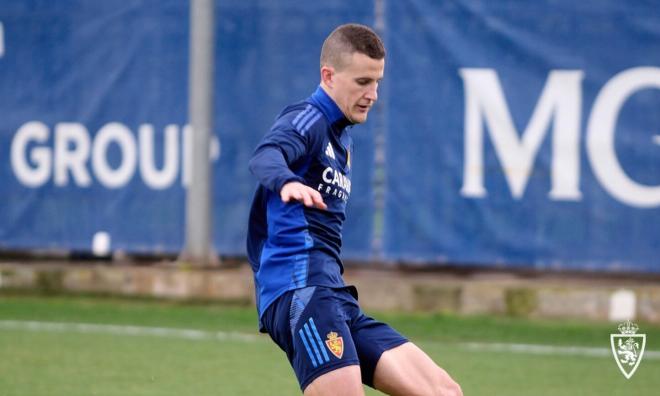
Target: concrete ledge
(176,282)
(545,296)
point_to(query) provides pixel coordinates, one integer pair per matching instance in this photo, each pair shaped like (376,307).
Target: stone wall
(541,296)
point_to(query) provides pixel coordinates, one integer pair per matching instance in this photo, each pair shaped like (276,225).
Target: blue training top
(289,245)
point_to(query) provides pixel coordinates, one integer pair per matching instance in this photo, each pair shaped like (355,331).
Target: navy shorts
(322,329)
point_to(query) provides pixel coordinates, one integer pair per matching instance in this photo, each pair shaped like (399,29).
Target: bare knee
(444,385)
(440,384)
(448,387)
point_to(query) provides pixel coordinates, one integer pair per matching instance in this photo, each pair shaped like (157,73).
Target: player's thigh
(407,370)
(372,338)
(342,381)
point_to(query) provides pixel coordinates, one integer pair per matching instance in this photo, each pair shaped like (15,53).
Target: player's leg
(343,381)
(392,364)
(407,370)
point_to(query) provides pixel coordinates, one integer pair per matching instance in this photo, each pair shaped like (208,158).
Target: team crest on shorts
(335,344)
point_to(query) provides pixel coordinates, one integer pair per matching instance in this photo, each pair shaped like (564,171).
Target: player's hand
(299,192)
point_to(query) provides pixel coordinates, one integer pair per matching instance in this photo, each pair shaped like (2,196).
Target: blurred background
(508,178)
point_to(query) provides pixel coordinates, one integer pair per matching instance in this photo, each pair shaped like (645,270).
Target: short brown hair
(348,39)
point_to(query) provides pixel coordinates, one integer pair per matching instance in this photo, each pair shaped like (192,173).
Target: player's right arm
(271,163)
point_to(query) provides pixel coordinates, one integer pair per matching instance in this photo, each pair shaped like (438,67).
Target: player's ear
(327,75)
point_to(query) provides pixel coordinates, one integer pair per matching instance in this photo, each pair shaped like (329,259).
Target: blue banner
(93,135)
(524,134)
(507,134)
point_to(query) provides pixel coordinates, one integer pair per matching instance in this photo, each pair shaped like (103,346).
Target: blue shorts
(322,329)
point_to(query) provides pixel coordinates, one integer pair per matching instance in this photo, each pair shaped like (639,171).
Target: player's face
(355,86)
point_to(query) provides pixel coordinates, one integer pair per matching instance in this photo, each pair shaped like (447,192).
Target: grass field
(44,350)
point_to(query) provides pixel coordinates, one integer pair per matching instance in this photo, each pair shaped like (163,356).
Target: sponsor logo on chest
(333,181)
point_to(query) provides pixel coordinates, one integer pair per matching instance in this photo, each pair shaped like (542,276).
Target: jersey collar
(330,109)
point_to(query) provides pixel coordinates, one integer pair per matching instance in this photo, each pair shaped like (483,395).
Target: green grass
(53,364)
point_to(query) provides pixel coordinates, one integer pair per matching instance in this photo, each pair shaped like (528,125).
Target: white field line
(536,349)
(88,328)
(190,334)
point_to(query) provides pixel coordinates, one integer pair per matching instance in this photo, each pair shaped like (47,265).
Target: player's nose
(372,93)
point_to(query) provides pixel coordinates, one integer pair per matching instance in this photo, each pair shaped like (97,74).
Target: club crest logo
(628,348)
(335,344)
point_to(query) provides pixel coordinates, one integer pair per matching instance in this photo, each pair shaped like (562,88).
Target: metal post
(379,123)
(198,247)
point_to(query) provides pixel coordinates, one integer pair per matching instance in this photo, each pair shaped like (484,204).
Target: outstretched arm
(270,167)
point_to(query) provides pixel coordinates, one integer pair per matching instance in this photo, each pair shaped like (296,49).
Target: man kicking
(303,165)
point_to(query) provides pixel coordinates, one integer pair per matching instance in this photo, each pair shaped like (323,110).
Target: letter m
(485,105)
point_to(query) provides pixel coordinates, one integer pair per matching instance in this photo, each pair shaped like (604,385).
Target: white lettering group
(36,158)
(559,103)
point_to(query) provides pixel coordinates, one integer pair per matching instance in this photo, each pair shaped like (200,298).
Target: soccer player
(303,165)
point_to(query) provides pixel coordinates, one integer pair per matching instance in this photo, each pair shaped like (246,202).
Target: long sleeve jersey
(289,245)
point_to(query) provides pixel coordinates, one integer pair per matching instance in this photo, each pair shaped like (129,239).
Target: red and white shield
(335,344)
